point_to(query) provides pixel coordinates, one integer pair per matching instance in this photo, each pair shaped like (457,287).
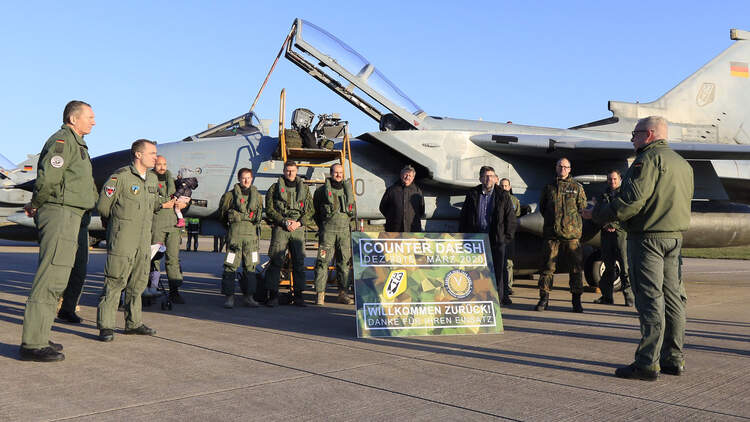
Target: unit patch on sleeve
(56,161)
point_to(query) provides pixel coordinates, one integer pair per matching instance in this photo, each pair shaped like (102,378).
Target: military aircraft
(707,114)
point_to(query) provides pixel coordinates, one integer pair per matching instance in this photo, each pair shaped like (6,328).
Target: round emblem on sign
(458,283)
(56,161)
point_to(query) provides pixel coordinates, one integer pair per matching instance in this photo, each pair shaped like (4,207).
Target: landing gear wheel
(594,269)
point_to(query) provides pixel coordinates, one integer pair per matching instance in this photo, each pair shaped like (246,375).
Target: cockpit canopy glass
(356,64)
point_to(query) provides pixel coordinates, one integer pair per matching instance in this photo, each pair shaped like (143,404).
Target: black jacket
(403,208)
(502,218)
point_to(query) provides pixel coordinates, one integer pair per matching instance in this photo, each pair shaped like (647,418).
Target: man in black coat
(403,204)
(490,210)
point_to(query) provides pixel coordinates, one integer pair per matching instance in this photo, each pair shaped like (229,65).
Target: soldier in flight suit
(289,208)
(654,206)
(561,204)
(614,242)
(334,210)
(127,203)
(64,192)
(163,229)
(241,210)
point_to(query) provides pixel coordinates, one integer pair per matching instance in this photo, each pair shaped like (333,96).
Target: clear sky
(163,70)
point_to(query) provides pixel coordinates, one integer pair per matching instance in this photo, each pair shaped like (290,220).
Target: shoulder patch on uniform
(113,178)
(59,146)
(135,189)
(109,191)
(56,161)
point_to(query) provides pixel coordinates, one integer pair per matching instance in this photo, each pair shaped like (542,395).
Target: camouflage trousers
(573,252)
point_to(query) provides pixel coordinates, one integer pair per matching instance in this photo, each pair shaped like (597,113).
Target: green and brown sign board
(417,284)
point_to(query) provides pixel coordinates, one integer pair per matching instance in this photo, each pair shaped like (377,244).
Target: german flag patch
(59,146)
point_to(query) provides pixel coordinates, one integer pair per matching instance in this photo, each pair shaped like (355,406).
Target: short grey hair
(658,124)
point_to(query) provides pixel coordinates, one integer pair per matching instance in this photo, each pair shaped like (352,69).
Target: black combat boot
(577,307)
(543,301)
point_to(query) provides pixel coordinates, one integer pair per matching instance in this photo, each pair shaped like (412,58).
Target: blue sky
(164,70)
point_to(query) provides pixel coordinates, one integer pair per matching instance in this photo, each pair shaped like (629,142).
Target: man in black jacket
(403,204)
(490,210)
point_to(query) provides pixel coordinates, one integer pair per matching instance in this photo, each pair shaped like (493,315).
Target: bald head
(562,168)
(161,164)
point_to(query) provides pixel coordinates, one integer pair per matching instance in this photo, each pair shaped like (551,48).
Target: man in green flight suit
(654,206)
(614,247)
(64,192)
(164,229)
(561,204)
(241,210)
(334,211)
(289,208)
(127,203)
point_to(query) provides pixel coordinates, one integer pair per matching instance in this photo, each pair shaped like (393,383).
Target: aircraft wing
(582,148)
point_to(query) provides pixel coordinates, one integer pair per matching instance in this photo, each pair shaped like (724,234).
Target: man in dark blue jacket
(490,210)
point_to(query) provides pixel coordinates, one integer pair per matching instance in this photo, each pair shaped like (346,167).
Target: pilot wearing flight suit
(241,209)
(334,211)
(289,208)
(127,203)
(654,206)
(64,192)
(164,230)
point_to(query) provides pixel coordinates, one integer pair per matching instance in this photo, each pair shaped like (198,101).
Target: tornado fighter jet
(709,125)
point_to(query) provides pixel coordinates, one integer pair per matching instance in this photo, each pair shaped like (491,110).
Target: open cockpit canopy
(349,74)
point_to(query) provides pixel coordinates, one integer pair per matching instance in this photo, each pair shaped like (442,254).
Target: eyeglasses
(639,131)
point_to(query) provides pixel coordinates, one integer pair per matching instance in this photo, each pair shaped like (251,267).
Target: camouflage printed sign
(424,284)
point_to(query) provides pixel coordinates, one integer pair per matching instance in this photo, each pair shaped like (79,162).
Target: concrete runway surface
(209,363)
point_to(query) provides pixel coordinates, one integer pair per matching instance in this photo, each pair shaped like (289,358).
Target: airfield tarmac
(210,363)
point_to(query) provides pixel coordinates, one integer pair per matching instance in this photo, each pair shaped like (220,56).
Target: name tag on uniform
(255,257)
(230,258)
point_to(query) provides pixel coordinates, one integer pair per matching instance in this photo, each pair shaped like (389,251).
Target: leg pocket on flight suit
(117,267)
(65,252)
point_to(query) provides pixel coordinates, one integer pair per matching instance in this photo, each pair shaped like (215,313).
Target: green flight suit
(164,231)
(127,203)
(561,204)
(614,248)
(242,213)
(654,206)
(64,191)
(334,211)
(288,201)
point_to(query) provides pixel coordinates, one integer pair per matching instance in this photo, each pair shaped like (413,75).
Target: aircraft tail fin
(709,106)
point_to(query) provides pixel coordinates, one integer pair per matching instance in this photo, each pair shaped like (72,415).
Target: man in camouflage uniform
(654,205)
(561,204)
(64,192)
(127,203)
(241,210)
(510,246)
(164,228)
(334,211)
(614,247)
(289,208)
